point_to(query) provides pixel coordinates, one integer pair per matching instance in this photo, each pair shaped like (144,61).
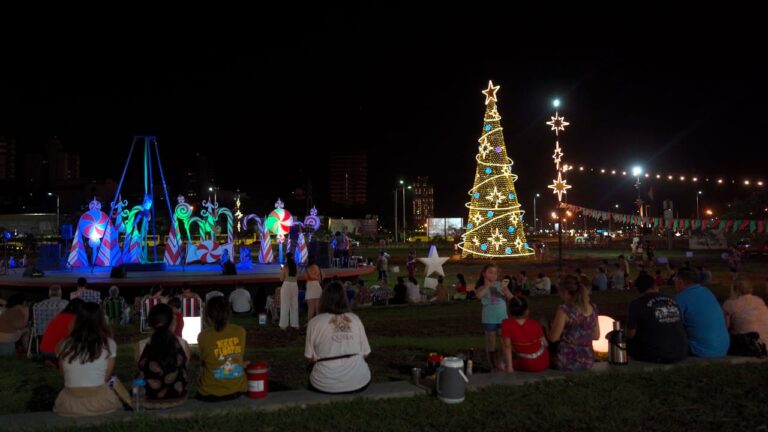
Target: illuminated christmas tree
(495,225)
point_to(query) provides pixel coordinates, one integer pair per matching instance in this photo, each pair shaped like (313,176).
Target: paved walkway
(303,398)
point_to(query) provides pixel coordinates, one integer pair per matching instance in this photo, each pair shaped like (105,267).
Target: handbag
(747,345)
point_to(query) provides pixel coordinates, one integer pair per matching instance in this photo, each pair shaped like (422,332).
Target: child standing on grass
(494,296)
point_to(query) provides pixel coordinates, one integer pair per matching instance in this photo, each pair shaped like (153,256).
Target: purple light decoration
(498,149)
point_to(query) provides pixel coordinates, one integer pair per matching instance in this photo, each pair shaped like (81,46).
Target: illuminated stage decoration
(494,205)
(92,227)
(312,222)
(77,257)
(108,247)
(265,250)
(246,262)
(173,246)
(279,220)
(207,250)
(301,254)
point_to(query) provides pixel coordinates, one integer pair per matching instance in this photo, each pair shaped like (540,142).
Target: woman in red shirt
(522,340)
(59,328)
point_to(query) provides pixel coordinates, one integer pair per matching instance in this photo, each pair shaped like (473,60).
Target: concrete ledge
(304,398)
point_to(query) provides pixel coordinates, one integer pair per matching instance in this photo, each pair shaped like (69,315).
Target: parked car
(747,249)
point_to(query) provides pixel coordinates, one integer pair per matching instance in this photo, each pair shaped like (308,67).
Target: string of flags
(677,224)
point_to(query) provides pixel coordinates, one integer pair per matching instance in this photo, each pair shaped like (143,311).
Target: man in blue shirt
(702,316)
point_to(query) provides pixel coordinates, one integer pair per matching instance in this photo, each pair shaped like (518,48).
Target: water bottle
(138,392)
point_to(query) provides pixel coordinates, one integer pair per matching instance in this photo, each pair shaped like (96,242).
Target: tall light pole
(535,221)
(58,224)
(698,216)
(394,192)
(405,223)
(559,185)
(637,171)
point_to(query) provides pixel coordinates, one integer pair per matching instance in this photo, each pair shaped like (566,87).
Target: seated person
(522,339)
(363,296)
(542,285)
(574,328)
(441,292)
(14,324)
(702,316)
(114,305)
(401,291)
(162,360)
(222,351)
(460,288)
(87,359)
(746,312)
(413,294)
(175,304)
(655,331)
(337,346)
(59,328)
(600,281)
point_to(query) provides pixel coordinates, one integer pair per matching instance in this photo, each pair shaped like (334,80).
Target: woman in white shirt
(337,346)
(87,358)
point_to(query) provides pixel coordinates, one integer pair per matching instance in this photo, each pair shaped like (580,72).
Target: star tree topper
(490,92)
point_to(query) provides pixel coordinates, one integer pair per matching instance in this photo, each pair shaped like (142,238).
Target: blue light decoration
(508,250)
(476,195)
(511,196)
(490,213)
(487,127)
(511,229)
(469,226)
(488,170)
(7,235)
(526,246)
(483,246)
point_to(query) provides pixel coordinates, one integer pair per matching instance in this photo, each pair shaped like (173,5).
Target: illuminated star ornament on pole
(495,226)
(559,185)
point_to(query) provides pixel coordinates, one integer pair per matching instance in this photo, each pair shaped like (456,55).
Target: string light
(495,223)
(659,176)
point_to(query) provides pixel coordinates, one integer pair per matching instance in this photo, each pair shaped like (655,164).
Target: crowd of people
(76,335)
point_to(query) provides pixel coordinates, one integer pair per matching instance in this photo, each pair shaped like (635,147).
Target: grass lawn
(400,336)
(705,397)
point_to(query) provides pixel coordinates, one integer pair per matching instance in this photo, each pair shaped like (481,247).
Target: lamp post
(535,221)
(394,193)
(698,216)
(57,211)
(637,171)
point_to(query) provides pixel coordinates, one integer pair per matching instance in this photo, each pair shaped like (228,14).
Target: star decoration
(490,92)
(505,170)
(559,186)
(519,244)
(477,218)
(476,241)
(514,219)
(558,123)
(495,196)
(485,148)
(496,239)
(433,262)
(557,155)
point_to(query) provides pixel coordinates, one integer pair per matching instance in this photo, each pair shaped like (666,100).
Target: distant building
(7,160)
(349,178)
(423,203)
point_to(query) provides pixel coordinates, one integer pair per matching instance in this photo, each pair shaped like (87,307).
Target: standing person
(624,264)
(222,352)
(655,331)
(337,346)
(410,264)
(493,296)
(523,341)
(87,359)
(344,248)
(702,316)
(14,324)
(289,295)
(649,253)
(574,328)
(162,360)
(382,267)
(314,289)
(617,278)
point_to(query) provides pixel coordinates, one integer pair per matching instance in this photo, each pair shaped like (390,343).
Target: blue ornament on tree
(487,127)
(508,250)
(483,246)
(511,196)
(488,170)
(469,226)
(511,229)
(490,213)
(476,195)
(526,246)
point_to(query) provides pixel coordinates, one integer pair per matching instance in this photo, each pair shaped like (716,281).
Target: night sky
(267,98)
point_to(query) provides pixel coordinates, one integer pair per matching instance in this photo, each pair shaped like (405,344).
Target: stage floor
(193,275)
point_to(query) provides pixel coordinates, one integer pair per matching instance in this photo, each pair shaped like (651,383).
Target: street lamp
(698,216)
(637,171)
(57,211)
(535,221)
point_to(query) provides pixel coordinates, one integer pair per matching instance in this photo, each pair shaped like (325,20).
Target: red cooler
(258,380)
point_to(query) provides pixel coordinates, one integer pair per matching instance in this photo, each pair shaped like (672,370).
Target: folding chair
(146,305)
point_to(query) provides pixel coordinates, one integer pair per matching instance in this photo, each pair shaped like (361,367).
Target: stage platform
(193,275)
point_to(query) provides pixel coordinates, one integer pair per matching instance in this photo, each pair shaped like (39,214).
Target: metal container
(416,376)
(617,345)
(450,381)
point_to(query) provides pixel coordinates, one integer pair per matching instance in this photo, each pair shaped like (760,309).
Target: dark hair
(517,306)
(400,280)
(644,282)
(162,347)
(291,264)
(481,279)
(74,306)
(687,274)
(440,279)
(89,337)
(311,260)
(578,292)
(541,275)
(334,299)
(82,282)
(15,300)
(174,302)
(217,312)
(157,289)
(460,277)
(412,280)
(508,277)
